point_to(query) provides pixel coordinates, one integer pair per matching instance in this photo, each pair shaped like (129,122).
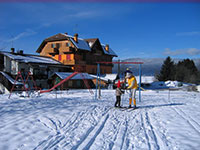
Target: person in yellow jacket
(132,86)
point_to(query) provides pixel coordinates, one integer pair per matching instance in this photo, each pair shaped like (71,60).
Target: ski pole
(122,99)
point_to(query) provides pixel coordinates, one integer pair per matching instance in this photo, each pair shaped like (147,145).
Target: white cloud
(84,14)
(187,51)
(188,33)
(193,51)
(26,33)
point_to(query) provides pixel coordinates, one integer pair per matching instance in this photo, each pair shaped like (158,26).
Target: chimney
(21,52)
(76,38)
(107,47)
(12,50)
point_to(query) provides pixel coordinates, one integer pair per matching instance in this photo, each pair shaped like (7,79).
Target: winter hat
(128,73)
(119,84)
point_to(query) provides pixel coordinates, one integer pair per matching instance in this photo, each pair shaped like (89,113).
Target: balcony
(68,50)
(54,52)
(68,62)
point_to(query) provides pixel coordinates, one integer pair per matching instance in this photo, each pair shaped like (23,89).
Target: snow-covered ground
(165,120)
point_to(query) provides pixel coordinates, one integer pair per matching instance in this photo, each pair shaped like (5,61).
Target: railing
(68,49)
(73,62)
(68,62)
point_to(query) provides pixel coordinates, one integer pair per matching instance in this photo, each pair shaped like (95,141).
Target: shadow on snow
(161,105)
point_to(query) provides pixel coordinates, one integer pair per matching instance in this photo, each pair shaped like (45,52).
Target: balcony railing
(68,49)
(68,62)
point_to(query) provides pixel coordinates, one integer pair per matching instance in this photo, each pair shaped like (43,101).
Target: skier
(132,86)
(119,92)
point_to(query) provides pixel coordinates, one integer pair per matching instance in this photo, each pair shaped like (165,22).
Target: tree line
(183,71)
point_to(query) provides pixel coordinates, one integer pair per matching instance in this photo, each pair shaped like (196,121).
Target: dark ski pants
(118,101)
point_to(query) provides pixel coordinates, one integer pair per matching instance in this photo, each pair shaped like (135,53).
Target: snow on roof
(111,77)
(64,75)
(30,58)
(176,84)
(106,77)
(146,79)
(169,85)
(90,44)
(10,78)
(81,44)
(109,52)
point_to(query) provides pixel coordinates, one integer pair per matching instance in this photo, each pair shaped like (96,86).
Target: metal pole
(118,69)
(97,80)
(140,65)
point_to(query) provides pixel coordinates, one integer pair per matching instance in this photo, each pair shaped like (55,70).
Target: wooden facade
(81,55)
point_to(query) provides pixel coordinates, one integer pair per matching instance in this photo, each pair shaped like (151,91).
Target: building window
(57,45)
(70,83)
(68,44)
(68,57)
(59,57)
(53,45)
(78,83)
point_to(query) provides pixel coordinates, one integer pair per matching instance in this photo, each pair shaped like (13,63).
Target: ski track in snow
(158,141)
(79,123)
(71,124)
(188,119)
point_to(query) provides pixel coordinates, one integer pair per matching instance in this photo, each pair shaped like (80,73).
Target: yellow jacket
(132,83)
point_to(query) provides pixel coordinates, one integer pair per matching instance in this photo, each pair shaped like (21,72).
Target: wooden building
(80,54)
(79,81)
(40,67)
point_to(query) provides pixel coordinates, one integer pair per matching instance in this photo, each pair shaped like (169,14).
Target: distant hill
(151,66)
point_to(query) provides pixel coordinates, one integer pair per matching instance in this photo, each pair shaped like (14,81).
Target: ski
(132,108)
(126,108)
(122,108)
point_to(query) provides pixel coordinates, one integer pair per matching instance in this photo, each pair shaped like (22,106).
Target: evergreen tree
(186,71)
(167,70)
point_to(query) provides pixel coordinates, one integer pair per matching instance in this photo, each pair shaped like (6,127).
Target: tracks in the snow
(105,128)
(91,135)
(64,134)
(189,120)
(70,125)
(155,140)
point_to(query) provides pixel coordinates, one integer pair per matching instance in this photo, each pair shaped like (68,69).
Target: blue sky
(133,30)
